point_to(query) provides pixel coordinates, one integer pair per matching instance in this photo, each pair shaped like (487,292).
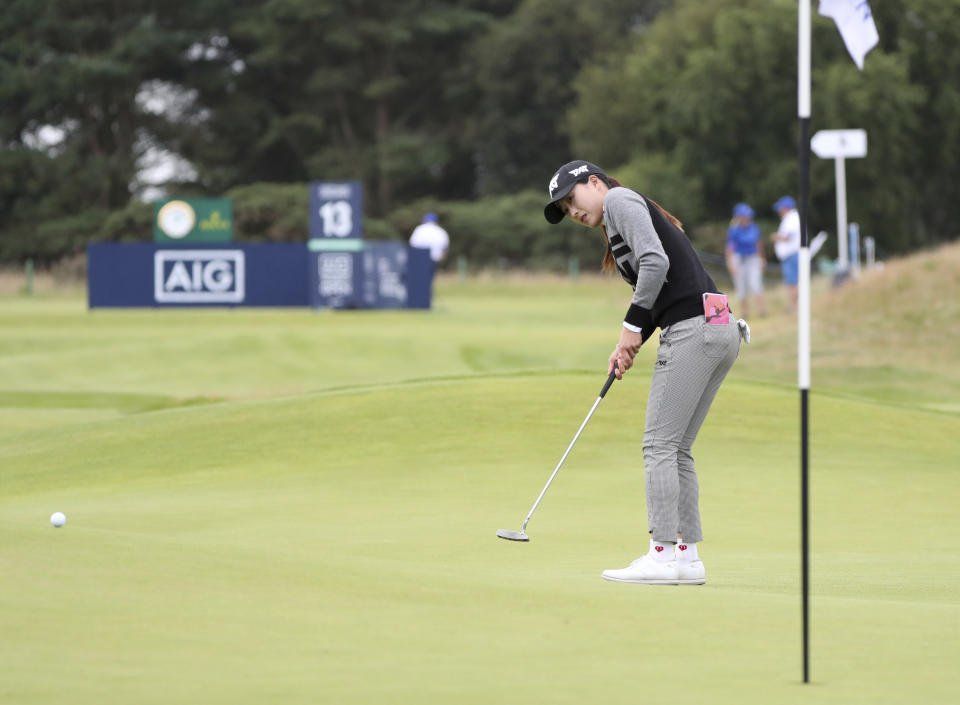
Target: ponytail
(609,262)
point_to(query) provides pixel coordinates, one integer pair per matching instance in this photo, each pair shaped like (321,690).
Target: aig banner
(127,274)
(193,220)
(199,276)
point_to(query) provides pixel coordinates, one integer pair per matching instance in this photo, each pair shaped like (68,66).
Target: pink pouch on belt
(716,309)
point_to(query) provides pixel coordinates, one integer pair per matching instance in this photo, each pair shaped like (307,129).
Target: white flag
(855,22)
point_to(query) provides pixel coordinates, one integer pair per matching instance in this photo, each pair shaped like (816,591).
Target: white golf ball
(58,519)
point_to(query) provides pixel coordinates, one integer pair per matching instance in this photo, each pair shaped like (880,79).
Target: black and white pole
(803,314)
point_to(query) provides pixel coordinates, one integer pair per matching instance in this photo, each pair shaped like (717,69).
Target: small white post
(855,250)
(840,172)
(870,252)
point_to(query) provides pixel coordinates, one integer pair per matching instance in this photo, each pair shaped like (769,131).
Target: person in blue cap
(786,243)
(745,259)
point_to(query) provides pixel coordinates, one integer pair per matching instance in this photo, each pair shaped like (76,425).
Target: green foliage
(270,212)
(524,72)
(429,102)
(131,224)
(887,105)
(710,92)
(316,88)
(925,37)
(666,182)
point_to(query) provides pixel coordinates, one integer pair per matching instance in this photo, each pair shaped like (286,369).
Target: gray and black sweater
(656,258)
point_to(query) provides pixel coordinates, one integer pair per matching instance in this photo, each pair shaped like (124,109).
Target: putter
(522,534)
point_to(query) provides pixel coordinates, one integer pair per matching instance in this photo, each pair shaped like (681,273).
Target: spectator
(745,259)
(786,243)
(430,236)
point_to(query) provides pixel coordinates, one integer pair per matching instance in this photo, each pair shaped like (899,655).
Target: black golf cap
(563,182)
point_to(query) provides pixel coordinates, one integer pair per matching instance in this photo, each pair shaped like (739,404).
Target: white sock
(687,552)
(662,551)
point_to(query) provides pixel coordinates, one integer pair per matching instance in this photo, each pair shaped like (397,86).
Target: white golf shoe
(646,570)
(690,572)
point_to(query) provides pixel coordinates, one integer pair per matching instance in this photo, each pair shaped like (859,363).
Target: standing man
(430,236)
(746,259)
(786,243)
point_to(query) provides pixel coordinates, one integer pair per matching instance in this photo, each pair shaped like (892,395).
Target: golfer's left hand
(624,353)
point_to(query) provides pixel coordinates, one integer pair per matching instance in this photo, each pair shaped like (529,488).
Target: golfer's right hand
(624,353)
(613,363)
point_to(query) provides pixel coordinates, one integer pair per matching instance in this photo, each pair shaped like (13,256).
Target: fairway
(291,507)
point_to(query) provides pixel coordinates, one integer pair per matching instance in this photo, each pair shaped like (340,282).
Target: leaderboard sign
(345,271)
(336,209)
(375,275)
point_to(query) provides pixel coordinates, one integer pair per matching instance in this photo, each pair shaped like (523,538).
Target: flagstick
(803,309)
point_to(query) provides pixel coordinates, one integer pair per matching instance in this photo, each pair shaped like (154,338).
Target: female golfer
(698,345)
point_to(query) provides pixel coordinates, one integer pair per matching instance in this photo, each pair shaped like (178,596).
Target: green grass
(289,507)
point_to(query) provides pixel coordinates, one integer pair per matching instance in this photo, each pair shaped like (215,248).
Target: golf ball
(58,519)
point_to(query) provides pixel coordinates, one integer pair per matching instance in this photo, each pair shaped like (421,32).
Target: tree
(924,35)
(524,72)
(75,68)
(710,92)
(312,89)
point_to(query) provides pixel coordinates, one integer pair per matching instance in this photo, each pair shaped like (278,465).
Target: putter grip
(613,376)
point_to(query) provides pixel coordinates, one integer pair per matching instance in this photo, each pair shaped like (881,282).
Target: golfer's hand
(624,353)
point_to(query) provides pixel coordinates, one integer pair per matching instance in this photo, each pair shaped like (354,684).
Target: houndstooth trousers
(692,360)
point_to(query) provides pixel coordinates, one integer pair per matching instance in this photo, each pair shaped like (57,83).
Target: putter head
(512,535)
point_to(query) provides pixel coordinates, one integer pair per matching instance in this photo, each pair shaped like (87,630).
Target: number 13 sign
(336,209)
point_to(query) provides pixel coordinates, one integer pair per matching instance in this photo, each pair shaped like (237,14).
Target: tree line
(465,108)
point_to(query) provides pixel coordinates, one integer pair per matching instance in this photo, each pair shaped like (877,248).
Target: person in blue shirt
(745,259)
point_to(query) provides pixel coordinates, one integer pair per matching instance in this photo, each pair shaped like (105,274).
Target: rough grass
(893,336)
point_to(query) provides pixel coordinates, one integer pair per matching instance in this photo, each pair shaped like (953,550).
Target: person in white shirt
(786,243)
(430,236)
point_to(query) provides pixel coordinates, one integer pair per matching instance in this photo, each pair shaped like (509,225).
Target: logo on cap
(553,183)
(579,170)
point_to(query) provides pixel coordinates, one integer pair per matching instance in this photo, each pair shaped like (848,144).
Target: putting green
(340,548)
(268,506)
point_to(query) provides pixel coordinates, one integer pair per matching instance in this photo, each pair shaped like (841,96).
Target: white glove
(744,329)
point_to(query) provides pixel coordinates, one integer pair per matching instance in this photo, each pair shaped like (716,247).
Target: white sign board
(841,145)
(831,144)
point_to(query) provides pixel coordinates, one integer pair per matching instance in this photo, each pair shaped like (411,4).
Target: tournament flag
(855,22)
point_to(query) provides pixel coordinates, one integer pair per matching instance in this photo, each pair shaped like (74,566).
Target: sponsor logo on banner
(176,219)
(198,276)
(193,220)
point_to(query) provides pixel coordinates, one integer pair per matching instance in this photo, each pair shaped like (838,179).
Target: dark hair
(609,263)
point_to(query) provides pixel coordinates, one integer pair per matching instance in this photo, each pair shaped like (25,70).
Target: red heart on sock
(658,548)
(682,547)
